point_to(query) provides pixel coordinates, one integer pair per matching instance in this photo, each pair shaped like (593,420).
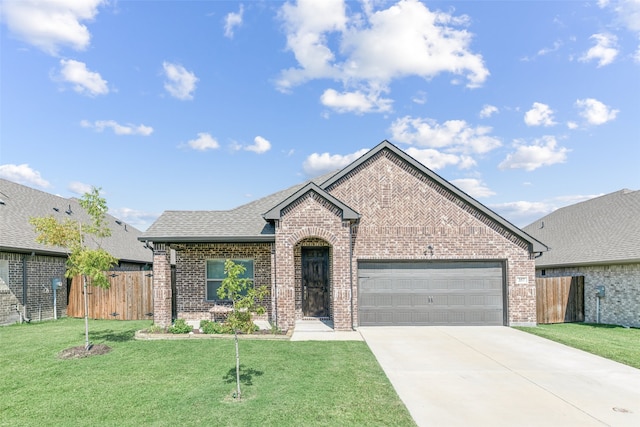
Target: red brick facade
(403,213)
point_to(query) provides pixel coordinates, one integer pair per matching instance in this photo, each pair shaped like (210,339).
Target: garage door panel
(426,293)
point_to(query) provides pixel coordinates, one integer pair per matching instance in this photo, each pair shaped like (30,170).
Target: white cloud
(572,125)
(79,187)
(543,152)
(434,159)
(595,112)
(473,187)
(139,219)
(548,50)
(23,174)
(317,164)
(539,115)
(355,102)
(452,135)
(181,83)
(604,51)
(84,81)
(368,50)
(118,129)
(420,98)
(49,25)
(525,212)
(522,209)
(231,21)
(203,142)
(488,111)
(260,145)
(627,11)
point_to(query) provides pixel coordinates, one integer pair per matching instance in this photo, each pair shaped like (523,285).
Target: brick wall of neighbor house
(39,272)
(191,264)
(403,212)
(621,303)
(312,216)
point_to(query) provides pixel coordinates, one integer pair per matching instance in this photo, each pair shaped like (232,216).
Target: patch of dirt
(80,352)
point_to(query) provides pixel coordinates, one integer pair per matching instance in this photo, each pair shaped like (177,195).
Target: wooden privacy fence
(129,297)
(560,299)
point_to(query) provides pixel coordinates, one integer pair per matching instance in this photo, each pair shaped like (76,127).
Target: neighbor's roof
(602,230)
(19,203)
(247,223)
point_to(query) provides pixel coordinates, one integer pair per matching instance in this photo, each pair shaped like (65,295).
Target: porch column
(161,285)
(285,285)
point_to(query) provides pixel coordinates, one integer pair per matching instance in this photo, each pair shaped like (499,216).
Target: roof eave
(588,263)
(208,239)
(28,251)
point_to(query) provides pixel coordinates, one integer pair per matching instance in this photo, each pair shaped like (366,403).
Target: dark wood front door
(315,282)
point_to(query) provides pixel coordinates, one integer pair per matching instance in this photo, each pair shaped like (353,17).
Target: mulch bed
(80,351)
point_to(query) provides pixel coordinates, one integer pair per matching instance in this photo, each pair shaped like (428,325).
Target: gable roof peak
(276,211)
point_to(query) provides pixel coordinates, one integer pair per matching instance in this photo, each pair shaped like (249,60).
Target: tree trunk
(235,332)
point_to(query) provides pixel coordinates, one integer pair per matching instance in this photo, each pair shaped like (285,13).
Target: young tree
(83,260)
(246,300)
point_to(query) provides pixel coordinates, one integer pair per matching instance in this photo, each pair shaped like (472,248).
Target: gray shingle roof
(602,230)
(246,223)
(19,203)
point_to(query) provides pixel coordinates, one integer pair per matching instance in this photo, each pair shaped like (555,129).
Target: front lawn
(610,341)
(187,382)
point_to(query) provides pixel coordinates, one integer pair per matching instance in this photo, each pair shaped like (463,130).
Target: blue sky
(207,105)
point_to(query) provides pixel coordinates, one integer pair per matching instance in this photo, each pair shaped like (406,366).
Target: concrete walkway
(498,376)
(321,330)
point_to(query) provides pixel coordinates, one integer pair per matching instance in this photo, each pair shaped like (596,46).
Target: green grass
(609,341)
(187,382)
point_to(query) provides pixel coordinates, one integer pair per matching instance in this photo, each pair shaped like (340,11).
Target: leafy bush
(209,327)
(180,326)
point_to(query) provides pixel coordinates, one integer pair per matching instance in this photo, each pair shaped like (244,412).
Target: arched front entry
(313,278)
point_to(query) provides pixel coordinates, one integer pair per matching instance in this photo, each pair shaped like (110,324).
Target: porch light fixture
(429,250)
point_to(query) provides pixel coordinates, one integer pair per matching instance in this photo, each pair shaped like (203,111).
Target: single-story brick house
(384,241)
(600,240)
(28,268)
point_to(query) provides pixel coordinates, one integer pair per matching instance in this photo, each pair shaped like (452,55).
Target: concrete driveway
(498,376)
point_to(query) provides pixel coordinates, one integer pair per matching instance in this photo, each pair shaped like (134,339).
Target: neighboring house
(600,240)
(27,268)
(384,241)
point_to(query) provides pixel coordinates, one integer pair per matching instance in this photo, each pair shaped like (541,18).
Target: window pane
(215,269)
(248,265)
(212,289)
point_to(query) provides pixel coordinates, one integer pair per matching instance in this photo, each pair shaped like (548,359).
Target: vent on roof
(118,222)
(2,202)
(56,209)
(68,211)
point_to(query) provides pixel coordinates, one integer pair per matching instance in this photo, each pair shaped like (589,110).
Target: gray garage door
(430,293)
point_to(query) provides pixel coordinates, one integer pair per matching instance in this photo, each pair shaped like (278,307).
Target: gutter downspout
(24,288)
(351,270)
(275,283)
